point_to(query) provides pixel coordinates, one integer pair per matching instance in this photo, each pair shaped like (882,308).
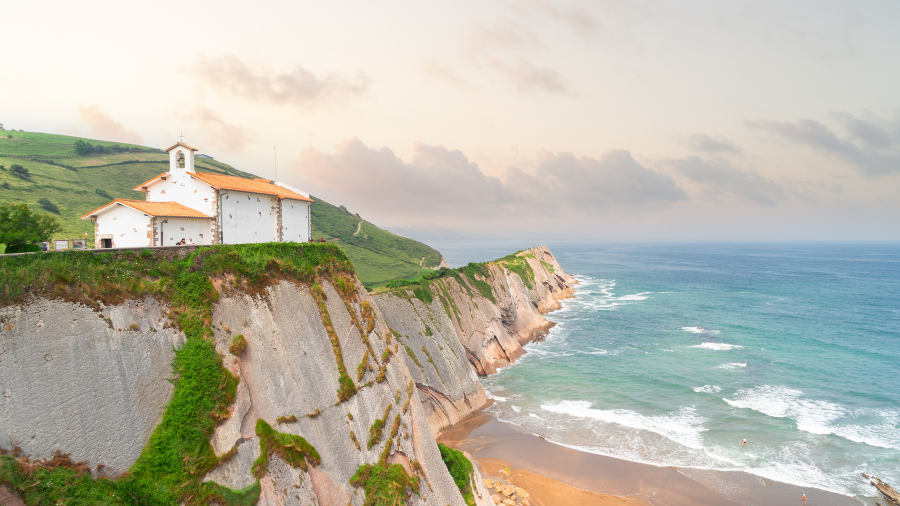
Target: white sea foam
(708,389)
(732,366)
(718,346)
(818,416)
(684,426)
(637,296)
(700,330)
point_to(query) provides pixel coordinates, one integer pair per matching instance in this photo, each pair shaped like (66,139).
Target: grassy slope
(378,256)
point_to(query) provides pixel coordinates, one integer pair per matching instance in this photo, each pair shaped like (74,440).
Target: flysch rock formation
(90,384)
(461,333)
(94,383)
(288,370)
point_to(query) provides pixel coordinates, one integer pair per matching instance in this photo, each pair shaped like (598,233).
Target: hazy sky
(620,120)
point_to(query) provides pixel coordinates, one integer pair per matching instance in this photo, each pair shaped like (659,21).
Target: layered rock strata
(461,332)
(93,383)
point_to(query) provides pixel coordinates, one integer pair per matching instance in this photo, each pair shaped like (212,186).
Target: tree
(20,228)
(20,172)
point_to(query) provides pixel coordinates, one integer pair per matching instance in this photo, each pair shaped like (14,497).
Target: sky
(586,120)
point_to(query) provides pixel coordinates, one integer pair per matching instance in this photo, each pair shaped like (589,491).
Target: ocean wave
(732,366)
(637,296)
(684,426)
(718,346)
(818,416)
(700,330)
(708,389)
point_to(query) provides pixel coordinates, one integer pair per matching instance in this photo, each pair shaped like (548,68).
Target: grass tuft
(292,449)
(238,345)
(377,429)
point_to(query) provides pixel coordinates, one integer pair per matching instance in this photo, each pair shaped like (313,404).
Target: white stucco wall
(177,229)
(248,217)
(294,221)
(180,187)
(128,227)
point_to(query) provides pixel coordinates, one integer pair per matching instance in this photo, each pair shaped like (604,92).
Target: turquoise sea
(672,354)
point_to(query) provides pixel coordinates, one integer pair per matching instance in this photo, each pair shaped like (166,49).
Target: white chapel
(203,208)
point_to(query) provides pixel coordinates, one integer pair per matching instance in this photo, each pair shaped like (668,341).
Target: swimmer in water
(743,442)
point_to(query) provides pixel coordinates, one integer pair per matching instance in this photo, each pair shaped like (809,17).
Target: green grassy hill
(79,184)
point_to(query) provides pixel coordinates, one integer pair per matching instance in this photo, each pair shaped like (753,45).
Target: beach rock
(497,499)
(489,483)
(525,502)
(508,491)
(521,492)
(509,502)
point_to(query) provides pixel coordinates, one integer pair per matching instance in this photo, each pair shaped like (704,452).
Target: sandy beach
(557,475)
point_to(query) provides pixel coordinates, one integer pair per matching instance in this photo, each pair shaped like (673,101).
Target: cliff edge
(471,321)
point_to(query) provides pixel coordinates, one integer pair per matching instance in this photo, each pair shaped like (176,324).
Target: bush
(20,172)
(50,206)
(23,248)
(103,194)
(5,185)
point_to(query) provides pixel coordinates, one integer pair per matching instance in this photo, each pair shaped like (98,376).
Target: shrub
(20,172)
(50,206)
(103,194)
(5,185)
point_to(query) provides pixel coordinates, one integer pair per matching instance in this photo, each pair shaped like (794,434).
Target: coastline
(573,477)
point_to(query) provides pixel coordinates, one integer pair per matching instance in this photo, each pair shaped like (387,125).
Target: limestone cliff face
(461,332)
(93,382)
(289,370)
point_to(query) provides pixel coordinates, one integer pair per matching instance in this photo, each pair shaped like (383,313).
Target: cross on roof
(181,137)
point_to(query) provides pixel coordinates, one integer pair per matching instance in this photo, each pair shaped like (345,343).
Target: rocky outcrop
(462,332)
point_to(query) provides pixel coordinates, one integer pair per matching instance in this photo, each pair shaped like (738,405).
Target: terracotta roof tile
(169,209)
(182,145)
(235,183)
(140,187)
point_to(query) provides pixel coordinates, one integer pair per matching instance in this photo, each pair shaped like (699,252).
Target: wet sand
(563,476)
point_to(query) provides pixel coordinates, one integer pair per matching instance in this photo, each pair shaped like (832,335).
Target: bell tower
(181,158)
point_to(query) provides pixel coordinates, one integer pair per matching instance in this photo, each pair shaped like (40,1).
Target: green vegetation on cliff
(171,465)
(460,468)
(52,169)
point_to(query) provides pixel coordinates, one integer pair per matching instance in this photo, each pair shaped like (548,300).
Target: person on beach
(743,442)
(803,501)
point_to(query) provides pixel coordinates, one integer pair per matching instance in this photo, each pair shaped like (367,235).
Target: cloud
(297,86)
(104,127)
(433,69)
(872,147)
(712,145)
(443,184)
(215,132)
(527,77)
(576,17)
(721,178)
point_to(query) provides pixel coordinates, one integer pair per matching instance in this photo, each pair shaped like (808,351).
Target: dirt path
(358,228)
